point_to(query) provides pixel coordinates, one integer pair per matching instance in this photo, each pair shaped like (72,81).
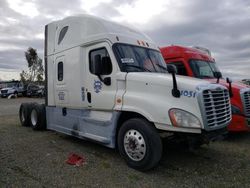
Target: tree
(35,66)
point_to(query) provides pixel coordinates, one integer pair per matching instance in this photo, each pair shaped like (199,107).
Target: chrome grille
(217,107)
(246,102)
(3,91)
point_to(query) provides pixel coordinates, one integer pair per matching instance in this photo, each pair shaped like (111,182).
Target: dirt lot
(37,159)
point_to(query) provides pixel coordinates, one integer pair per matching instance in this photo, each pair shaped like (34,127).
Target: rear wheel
(139,144)
(38,117)
(24,114)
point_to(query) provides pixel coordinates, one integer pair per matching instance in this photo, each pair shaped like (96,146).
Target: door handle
(89,97)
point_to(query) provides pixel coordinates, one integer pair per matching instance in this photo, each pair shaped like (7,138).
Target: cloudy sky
(222,26)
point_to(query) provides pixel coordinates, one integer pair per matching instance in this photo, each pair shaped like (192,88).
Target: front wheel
(139,144)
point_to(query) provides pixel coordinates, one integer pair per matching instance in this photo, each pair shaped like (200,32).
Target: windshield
(11,84)
(139,59)
(203,69)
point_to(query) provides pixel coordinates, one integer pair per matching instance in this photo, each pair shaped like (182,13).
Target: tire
(24,114)
(16,94)
(38,117)
(139,144)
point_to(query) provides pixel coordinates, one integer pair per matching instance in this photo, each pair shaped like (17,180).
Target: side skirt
(99,126)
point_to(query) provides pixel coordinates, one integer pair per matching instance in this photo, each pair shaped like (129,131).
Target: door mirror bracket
(175,91)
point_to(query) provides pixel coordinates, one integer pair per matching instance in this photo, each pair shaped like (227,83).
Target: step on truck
(109,83)
(197,62)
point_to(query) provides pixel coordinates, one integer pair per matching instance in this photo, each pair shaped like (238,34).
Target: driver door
(99,95)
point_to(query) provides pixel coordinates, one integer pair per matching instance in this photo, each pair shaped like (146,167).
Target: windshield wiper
(138,67)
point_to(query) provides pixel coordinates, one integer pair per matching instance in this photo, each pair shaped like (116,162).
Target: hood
(165,79)
(235,85)
(152,94)
(7,88)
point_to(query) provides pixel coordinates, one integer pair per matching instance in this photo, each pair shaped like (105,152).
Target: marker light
(181,118)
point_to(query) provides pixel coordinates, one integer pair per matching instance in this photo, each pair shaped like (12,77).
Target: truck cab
(198,63)
(109,83)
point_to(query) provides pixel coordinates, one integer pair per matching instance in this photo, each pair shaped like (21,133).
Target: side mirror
(96,65)
(218,75)
(229,81)
(171,69)
(102,66)
(175,91)
(106,65)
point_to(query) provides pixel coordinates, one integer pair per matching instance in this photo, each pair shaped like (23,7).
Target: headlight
(181,118)
(235,110)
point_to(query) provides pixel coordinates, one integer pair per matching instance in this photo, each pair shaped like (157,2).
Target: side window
(62,34)
(60,71)
(104,58)
(181,69)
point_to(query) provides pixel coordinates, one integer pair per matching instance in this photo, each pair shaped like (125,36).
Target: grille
(217,107)
(246,99)
(4,91)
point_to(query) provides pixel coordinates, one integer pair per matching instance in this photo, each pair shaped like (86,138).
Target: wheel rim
(134,145)
(22,115)
(33,117)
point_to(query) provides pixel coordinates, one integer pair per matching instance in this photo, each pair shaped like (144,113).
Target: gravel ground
(37,159)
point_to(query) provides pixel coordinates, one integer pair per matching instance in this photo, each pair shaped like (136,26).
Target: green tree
(35,67)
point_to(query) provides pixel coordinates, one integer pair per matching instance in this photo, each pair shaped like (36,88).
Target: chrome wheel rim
(134,145)
(33,117)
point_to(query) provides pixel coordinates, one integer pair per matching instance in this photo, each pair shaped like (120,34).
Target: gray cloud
(58,8)
(222,26)
(12,59)
(105,10)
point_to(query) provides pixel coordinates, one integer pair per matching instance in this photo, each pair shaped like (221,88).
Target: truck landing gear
(139,144)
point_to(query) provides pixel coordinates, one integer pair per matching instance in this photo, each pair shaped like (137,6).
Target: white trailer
(108,83)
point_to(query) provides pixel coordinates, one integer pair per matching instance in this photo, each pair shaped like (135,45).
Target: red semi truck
(197,62)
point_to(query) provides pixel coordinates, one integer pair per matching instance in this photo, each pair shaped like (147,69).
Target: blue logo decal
(97,86)
(186,93)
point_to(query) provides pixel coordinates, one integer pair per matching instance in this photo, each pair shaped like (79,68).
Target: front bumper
(194,141)
(206,136)
(5,94)
(219,134)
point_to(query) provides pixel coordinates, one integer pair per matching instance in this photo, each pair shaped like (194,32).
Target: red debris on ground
(74,159)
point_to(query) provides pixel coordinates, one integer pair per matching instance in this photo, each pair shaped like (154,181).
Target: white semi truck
(109,83)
